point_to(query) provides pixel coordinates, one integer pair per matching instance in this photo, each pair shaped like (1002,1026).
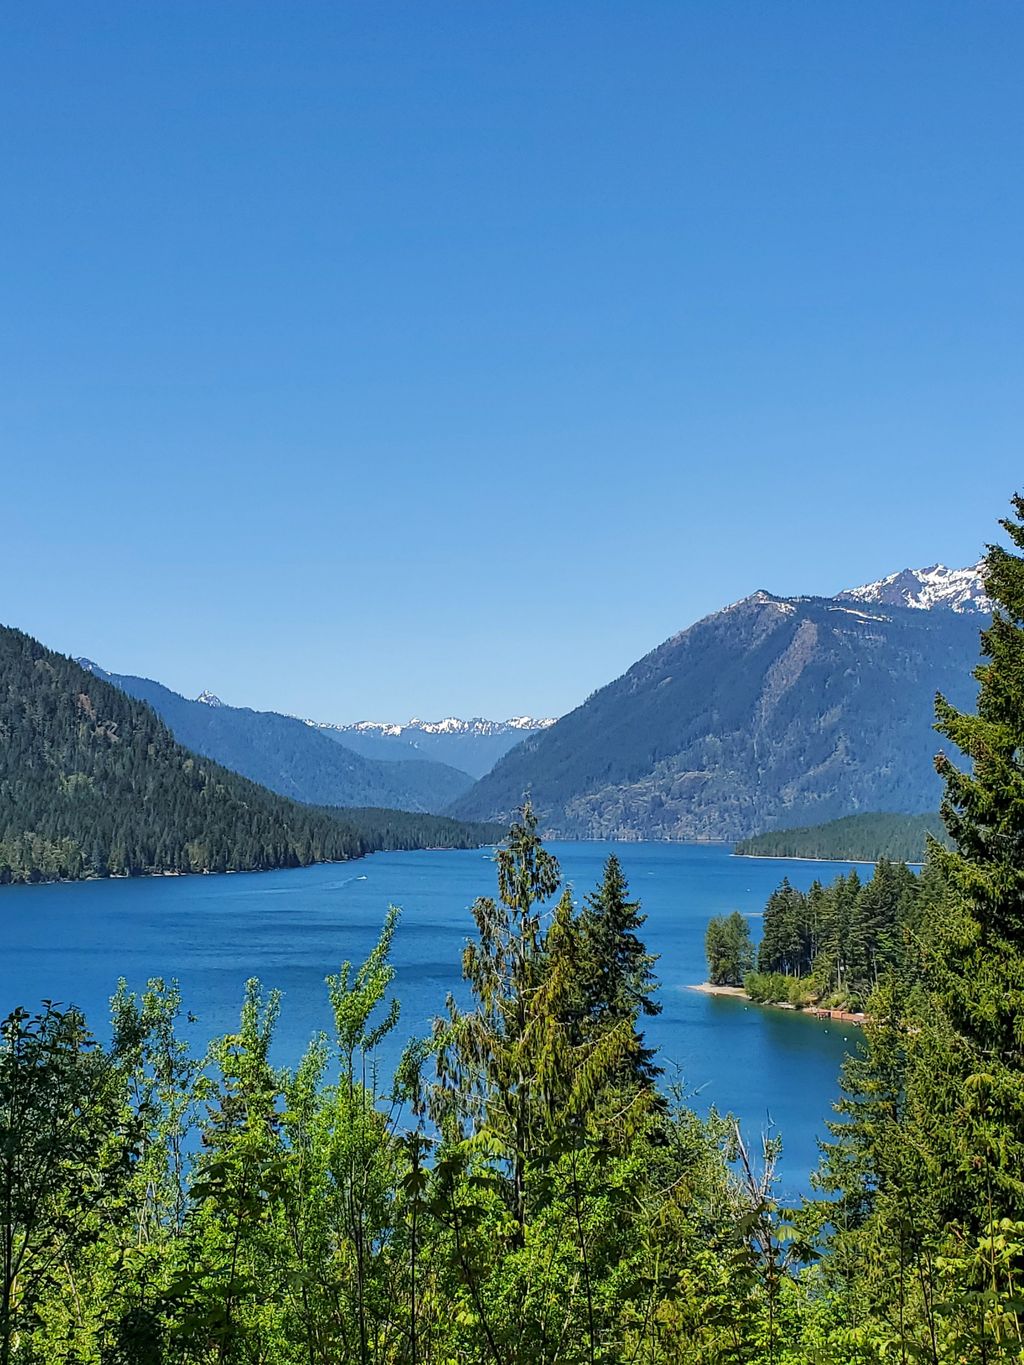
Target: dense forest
(863,838)
(835,944)
(92,783)
(527,1190)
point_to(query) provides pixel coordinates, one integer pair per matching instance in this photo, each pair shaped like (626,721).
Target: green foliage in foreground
(519,1194)
(865,838)
(927,1251)
(92,784)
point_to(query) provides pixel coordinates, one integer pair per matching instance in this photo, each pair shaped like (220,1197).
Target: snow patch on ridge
(860,615)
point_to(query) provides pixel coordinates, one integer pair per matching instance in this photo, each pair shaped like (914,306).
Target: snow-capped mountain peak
(474,746)
(937,587)
(209,699)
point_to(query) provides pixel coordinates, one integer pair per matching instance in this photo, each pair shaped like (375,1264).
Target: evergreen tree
(487,1062)
(619,981)
(782,941)
(836,942)
(979,941)
(730,951)
(928,1167)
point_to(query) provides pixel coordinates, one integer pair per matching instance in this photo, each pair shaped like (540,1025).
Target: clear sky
(372,359)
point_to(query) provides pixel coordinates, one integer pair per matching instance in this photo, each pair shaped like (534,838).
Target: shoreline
(234,871)
(201,872)
(815,1011)
(804,857)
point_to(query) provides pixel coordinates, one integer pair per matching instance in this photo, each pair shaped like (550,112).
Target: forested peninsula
(863,838)
(830,946)
(93,784)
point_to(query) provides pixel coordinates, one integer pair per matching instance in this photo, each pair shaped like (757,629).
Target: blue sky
(389,359)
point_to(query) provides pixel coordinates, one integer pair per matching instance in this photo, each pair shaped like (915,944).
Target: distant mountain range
(772,712)
(290,757)
(474,746)
(421,766)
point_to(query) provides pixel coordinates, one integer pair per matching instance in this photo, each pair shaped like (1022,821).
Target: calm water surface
(72,943)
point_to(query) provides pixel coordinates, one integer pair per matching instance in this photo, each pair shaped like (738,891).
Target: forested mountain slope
(854,838)
(774,711)
(93,783)
(291,757)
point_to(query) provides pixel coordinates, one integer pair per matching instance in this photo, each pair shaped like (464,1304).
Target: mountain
(474,746)
(772,712)
(290,757)
(929,589)
(92,783)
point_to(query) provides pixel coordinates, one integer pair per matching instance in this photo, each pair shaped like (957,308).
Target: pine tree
(487,1057)
(979,943)
(929,1167)
(619,981)
(781,948)
(729,950)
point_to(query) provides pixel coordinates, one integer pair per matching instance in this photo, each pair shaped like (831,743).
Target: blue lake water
(71,943)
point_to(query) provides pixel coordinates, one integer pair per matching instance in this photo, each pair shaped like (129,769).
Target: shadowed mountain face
(773,712)
(290,757)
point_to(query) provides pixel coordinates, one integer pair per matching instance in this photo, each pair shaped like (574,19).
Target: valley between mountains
(770,713)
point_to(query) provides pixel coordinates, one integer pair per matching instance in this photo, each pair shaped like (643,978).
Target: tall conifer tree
(619,971)
(980,944)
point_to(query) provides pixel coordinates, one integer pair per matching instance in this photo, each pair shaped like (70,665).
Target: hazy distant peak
(937,587)
(451,725)
(90,666)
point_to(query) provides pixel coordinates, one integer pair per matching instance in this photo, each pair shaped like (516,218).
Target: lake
(71,943)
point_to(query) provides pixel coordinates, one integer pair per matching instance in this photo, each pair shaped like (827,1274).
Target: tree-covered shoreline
(829,947)
(869,837)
